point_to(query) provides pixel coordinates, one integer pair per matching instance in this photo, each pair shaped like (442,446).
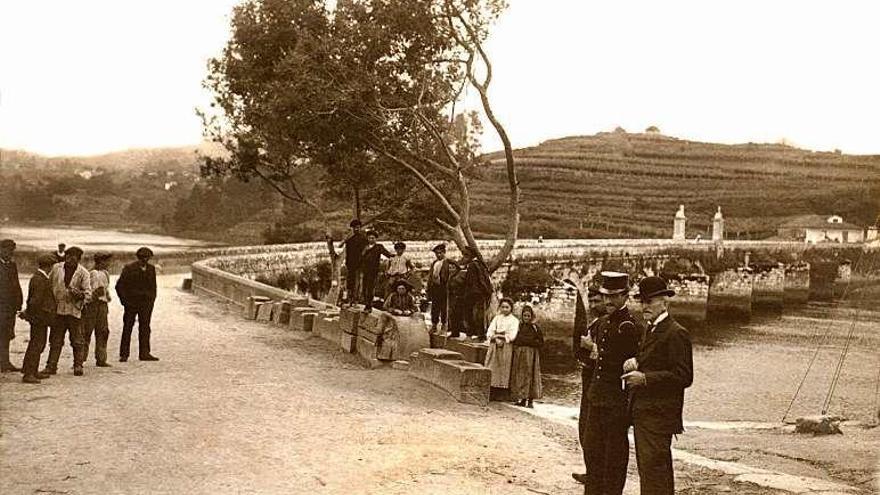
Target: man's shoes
(30,379)
(77,371)
(9,368)
(49,371)
(42,376)
(123,359)
(102,365)
(148,357)
(580,477)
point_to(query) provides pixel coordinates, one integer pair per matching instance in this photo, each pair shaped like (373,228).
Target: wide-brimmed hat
(614,283)
(439,247)
(399,282)
(652,287)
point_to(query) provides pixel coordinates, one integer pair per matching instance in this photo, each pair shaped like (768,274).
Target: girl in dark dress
(525,376)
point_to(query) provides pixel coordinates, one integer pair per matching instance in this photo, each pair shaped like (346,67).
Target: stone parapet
(768,288)
(796,288)
(730,296)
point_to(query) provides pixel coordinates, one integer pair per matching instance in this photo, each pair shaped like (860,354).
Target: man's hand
(634,379)
(630,365)
(587,342)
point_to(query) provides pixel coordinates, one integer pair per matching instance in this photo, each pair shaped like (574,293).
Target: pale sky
(90,76)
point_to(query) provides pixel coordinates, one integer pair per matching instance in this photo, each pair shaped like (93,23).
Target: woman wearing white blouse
(502,330)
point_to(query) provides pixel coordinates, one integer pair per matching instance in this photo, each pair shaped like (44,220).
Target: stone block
(730,296)
(370,322)
(299,302)
(404,335)
(422,363)
(264,311)
(467,382)
(437,341)
(472,352)
(302,319)
(400,365)
(368,351)
(187,284)
(348,319)
(250,308)
(281,313)
(327,328)
(768,288)
(818,425)
(348,342)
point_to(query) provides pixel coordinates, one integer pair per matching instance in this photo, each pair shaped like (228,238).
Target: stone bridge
(712,279)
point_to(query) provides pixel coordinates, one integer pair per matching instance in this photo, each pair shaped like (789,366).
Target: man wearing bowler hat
(614,338)
(656,379)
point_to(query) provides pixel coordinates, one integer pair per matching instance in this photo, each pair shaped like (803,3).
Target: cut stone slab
(474,352)
(302,319)
(467,382)
(818,425)
(370,322)
(368,352)
(250,308)
(348,342)
(187,284)
(327,328)
(281,313)
(401,336)
(299,302)
(400,365)
(264,311)
(423,365)
(348,319)
(438,341)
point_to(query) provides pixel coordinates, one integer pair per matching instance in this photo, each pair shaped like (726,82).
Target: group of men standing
(632,376)
(65,299)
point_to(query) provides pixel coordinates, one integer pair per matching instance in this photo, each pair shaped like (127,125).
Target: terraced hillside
(630,185)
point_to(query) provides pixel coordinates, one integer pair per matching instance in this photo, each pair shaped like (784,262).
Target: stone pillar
(718,226)
(768,291)
(730,296)
(797,283)
(678,225)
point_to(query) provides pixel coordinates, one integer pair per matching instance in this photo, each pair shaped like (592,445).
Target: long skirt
(498,360)
(525,376)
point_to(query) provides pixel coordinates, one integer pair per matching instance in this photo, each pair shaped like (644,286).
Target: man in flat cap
(615,337)
(72,288)
(438,286)
(656,379)
(95,312)
(40,313)
(10,302)
(136,289)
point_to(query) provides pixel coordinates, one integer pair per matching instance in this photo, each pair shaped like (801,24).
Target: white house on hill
(816,228)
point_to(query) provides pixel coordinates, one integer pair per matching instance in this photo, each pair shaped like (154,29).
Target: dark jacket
(41,304)
(447,270)
(371,258)
(617,336)
(136,286)
(354,248)
(10,289)
(400,303)
(529,335)
(581,328)
(665,357)
(477,281)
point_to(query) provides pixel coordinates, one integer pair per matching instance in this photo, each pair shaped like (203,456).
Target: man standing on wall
(616,338)
(477,291)
(10,302)
(438,287)
(656,379)
(354,248)
(136,289)
(72,288)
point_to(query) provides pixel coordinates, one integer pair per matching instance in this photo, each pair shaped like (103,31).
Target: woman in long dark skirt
(525,376)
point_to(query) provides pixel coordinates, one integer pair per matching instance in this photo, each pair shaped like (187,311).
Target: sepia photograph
(451,247)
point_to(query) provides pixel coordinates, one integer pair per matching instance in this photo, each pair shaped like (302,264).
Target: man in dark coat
(585,315)
(616,338)
(477,289)
(40,313)
(370,262)
(136,289)
(656,379)
(354,249)
(438,286)
(10,302)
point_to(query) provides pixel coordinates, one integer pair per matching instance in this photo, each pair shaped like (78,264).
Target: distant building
(817,228)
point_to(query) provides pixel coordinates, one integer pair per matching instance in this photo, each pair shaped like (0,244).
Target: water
(46,238)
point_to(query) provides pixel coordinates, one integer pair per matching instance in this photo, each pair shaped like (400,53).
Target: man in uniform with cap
(10,302)
(136,289)
(438,286)
(615,338)
(656,379)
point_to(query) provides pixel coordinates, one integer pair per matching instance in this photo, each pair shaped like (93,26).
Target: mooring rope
(824,339)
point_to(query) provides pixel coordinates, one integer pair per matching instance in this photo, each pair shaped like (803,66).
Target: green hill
(630,185)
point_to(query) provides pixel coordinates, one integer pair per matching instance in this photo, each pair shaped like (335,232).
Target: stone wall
(730,295)
(768,290)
